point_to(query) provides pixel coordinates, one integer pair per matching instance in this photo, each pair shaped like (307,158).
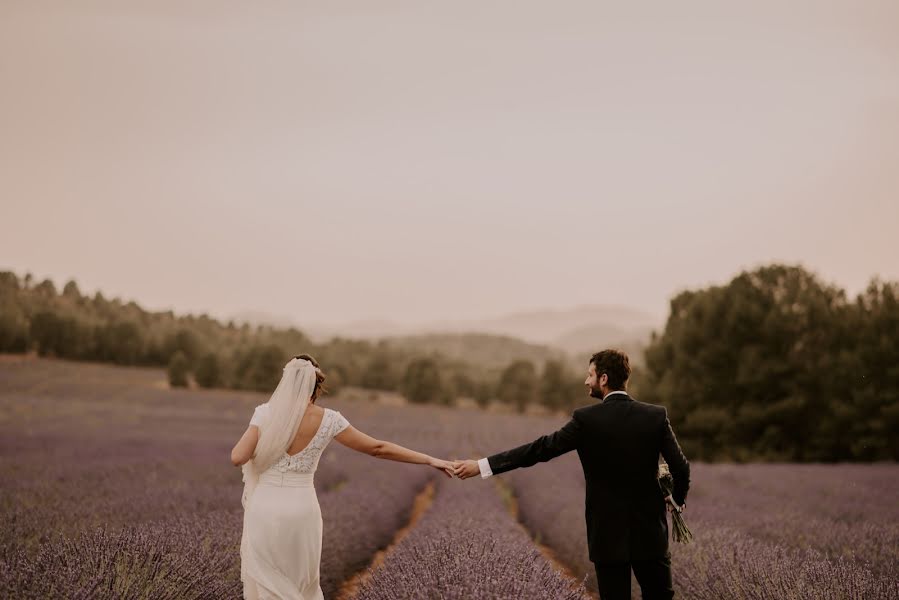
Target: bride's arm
(360,442)
(245,447)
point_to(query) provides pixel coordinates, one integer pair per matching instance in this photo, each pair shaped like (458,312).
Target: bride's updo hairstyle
(319,377)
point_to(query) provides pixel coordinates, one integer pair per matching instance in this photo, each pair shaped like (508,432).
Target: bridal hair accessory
(296,364)
(301,363)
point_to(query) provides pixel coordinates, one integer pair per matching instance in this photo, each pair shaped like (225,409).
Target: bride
(280,549)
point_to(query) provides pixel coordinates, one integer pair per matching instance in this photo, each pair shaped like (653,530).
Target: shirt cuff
(484,465)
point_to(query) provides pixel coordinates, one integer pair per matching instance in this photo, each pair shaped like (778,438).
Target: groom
(619,441)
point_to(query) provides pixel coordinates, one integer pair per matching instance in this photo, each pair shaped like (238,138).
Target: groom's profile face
(593,382)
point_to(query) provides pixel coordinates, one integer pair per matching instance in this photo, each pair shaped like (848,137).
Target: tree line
(36,317)
(775,365)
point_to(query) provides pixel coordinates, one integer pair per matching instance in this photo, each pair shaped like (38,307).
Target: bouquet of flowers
(679,530)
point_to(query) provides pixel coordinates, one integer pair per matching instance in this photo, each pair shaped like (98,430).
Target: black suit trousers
(654,577)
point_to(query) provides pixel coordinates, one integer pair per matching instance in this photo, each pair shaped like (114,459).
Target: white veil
(286,408)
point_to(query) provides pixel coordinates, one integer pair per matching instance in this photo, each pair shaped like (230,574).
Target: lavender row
(840,511)
(550,501)
(785,531)
(728,563)
(467,546)
(189,558)
(110,487)
(98,464)
(161,557)
(362,517)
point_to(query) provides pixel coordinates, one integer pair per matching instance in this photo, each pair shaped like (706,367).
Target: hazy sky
(420,160)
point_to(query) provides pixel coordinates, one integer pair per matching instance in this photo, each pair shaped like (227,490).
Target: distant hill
(551,326)
(370,329)
(486,350)
(590,338)
(255,317)
(575,331)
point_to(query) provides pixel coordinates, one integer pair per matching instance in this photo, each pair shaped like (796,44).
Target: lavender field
(113,486)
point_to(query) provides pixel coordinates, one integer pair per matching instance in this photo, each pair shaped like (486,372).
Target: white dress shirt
(484,464)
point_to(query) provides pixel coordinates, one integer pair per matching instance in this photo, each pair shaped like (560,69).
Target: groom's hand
(463,469)
(673,506)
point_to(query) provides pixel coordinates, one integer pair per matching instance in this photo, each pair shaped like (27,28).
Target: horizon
(415,162)
(255,317)
(60,282)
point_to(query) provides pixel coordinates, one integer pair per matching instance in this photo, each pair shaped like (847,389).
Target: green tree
(71,291)
(518,384)
(422,382)
(745,369)
(9,281)
(461,384)
(59,336)
(186,341)
(868,376)
(13,327)
(208,372)
(335,379)
(45,289)
(380,373)
(555,386)
(119,342)
(484,392)
(178,370)
(260,367)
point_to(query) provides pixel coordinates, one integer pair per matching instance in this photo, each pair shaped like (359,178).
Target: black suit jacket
(619,441)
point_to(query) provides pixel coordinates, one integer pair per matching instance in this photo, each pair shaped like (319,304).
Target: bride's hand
(442,465)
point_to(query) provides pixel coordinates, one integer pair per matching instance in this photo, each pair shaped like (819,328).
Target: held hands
(463,469)
(444,466)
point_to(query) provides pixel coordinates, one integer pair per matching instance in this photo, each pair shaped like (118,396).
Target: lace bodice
(306,460)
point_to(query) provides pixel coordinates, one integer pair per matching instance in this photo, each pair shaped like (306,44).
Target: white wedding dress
(283,521)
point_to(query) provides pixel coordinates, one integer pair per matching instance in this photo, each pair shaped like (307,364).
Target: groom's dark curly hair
(615,364)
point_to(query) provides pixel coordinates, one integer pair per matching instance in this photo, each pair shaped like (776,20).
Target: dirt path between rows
(508,495)
(420,506)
